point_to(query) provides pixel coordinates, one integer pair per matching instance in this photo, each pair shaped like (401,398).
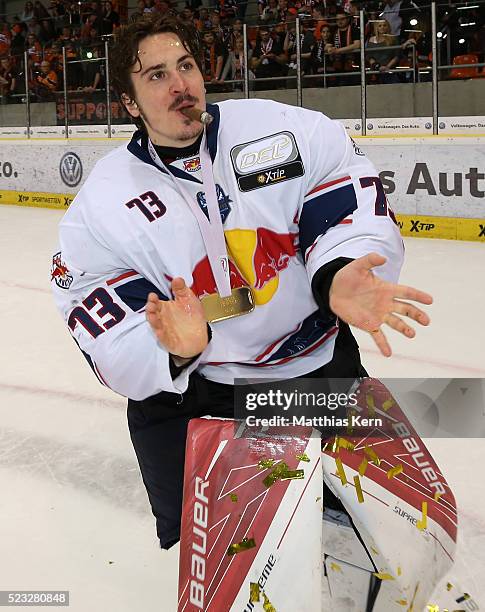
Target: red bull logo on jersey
(59,272)
(192,165)
(256,259)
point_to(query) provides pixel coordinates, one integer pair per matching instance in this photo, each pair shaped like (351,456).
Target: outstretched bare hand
(179,324)
(363,300)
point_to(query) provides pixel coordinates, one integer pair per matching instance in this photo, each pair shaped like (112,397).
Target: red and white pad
(410,560)
(284,520)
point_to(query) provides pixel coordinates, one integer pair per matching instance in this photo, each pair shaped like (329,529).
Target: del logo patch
(59,272)
(266,161)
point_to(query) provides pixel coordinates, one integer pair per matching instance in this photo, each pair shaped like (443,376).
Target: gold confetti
(335,445)
(363,466)
(432,608)
(335,567)
(281,472)
(292,475)
(343,443)
(370,452)
(411,605)
(275,474)
(423,522)
(254,592)
(244,544)
(341,471)
(374,550)
(399,571)
(267,605)
(402,602)
(266,463)
(318,499)
(358,490)
(371,406)
(437,495)
(383,576)
(387,405)
(449,586)
(233,497)
(397,469)
(303,457)
(324,447)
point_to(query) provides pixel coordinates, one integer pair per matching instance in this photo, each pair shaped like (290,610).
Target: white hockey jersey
(294,192)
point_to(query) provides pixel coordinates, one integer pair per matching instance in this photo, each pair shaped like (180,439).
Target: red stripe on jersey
(310,349)
(271,346)
(100,376)
(307,254)
(329,184)
(121,277)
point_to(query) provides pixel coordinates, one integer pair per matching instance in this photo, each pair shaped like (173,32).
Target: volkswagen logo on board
(71,169)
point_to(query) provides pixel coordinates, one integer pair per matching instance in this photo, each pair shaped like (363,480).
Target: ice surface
(74,513)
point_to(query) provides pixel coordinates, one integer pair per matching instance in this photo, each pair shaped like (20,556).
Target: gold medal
(217,308)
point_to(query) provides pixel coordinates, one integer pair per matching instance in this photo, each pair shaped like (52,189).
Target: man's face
(208,39)
(45,67)
(264,35)
(167,81)
(342,22)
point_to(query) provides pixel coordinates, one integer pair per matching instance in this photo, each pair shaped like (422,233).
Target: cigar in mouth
(197,114)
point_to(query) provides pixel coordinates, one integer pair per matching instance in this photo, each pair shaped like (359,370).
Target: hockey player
(192,257)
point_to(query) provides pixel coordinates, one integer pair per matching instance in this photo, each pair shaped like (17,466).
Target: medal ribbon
(211,229)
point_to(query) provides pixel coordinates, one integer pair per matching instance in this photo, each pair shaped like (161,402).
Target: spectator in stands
(45,82)
(212,59)
(140,10)
(17,40)
(8,80)
(379,56)
(57,10)
(65,35)
(268,60)
(346,43)
(290,44)
(318,15)
(34,49)
(271,13)
(202,22)
(321,61)
(28,12)
(5,38)
(46,32)
(234,68)
(418,44)
(228,9)
(40,12)
(391,14)
(283,10)
(92,71)
(110,19)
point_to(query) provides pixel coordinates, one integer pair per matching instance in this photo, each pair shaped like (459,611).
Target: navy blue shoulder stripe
(134,293)
(213,129)
(323,212)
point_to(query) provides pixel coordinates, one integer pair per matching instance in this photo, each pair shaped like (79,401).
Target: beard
(190,131)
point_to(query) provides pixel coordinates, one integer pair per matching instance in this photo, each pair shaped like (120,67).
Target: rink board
(417,226)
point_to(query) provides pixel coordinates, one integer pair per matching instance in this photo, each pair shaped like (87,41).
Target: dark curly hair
(124,49)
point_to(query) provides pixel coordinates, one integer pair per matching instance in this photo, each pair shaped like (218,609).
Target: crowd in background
(397,39)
